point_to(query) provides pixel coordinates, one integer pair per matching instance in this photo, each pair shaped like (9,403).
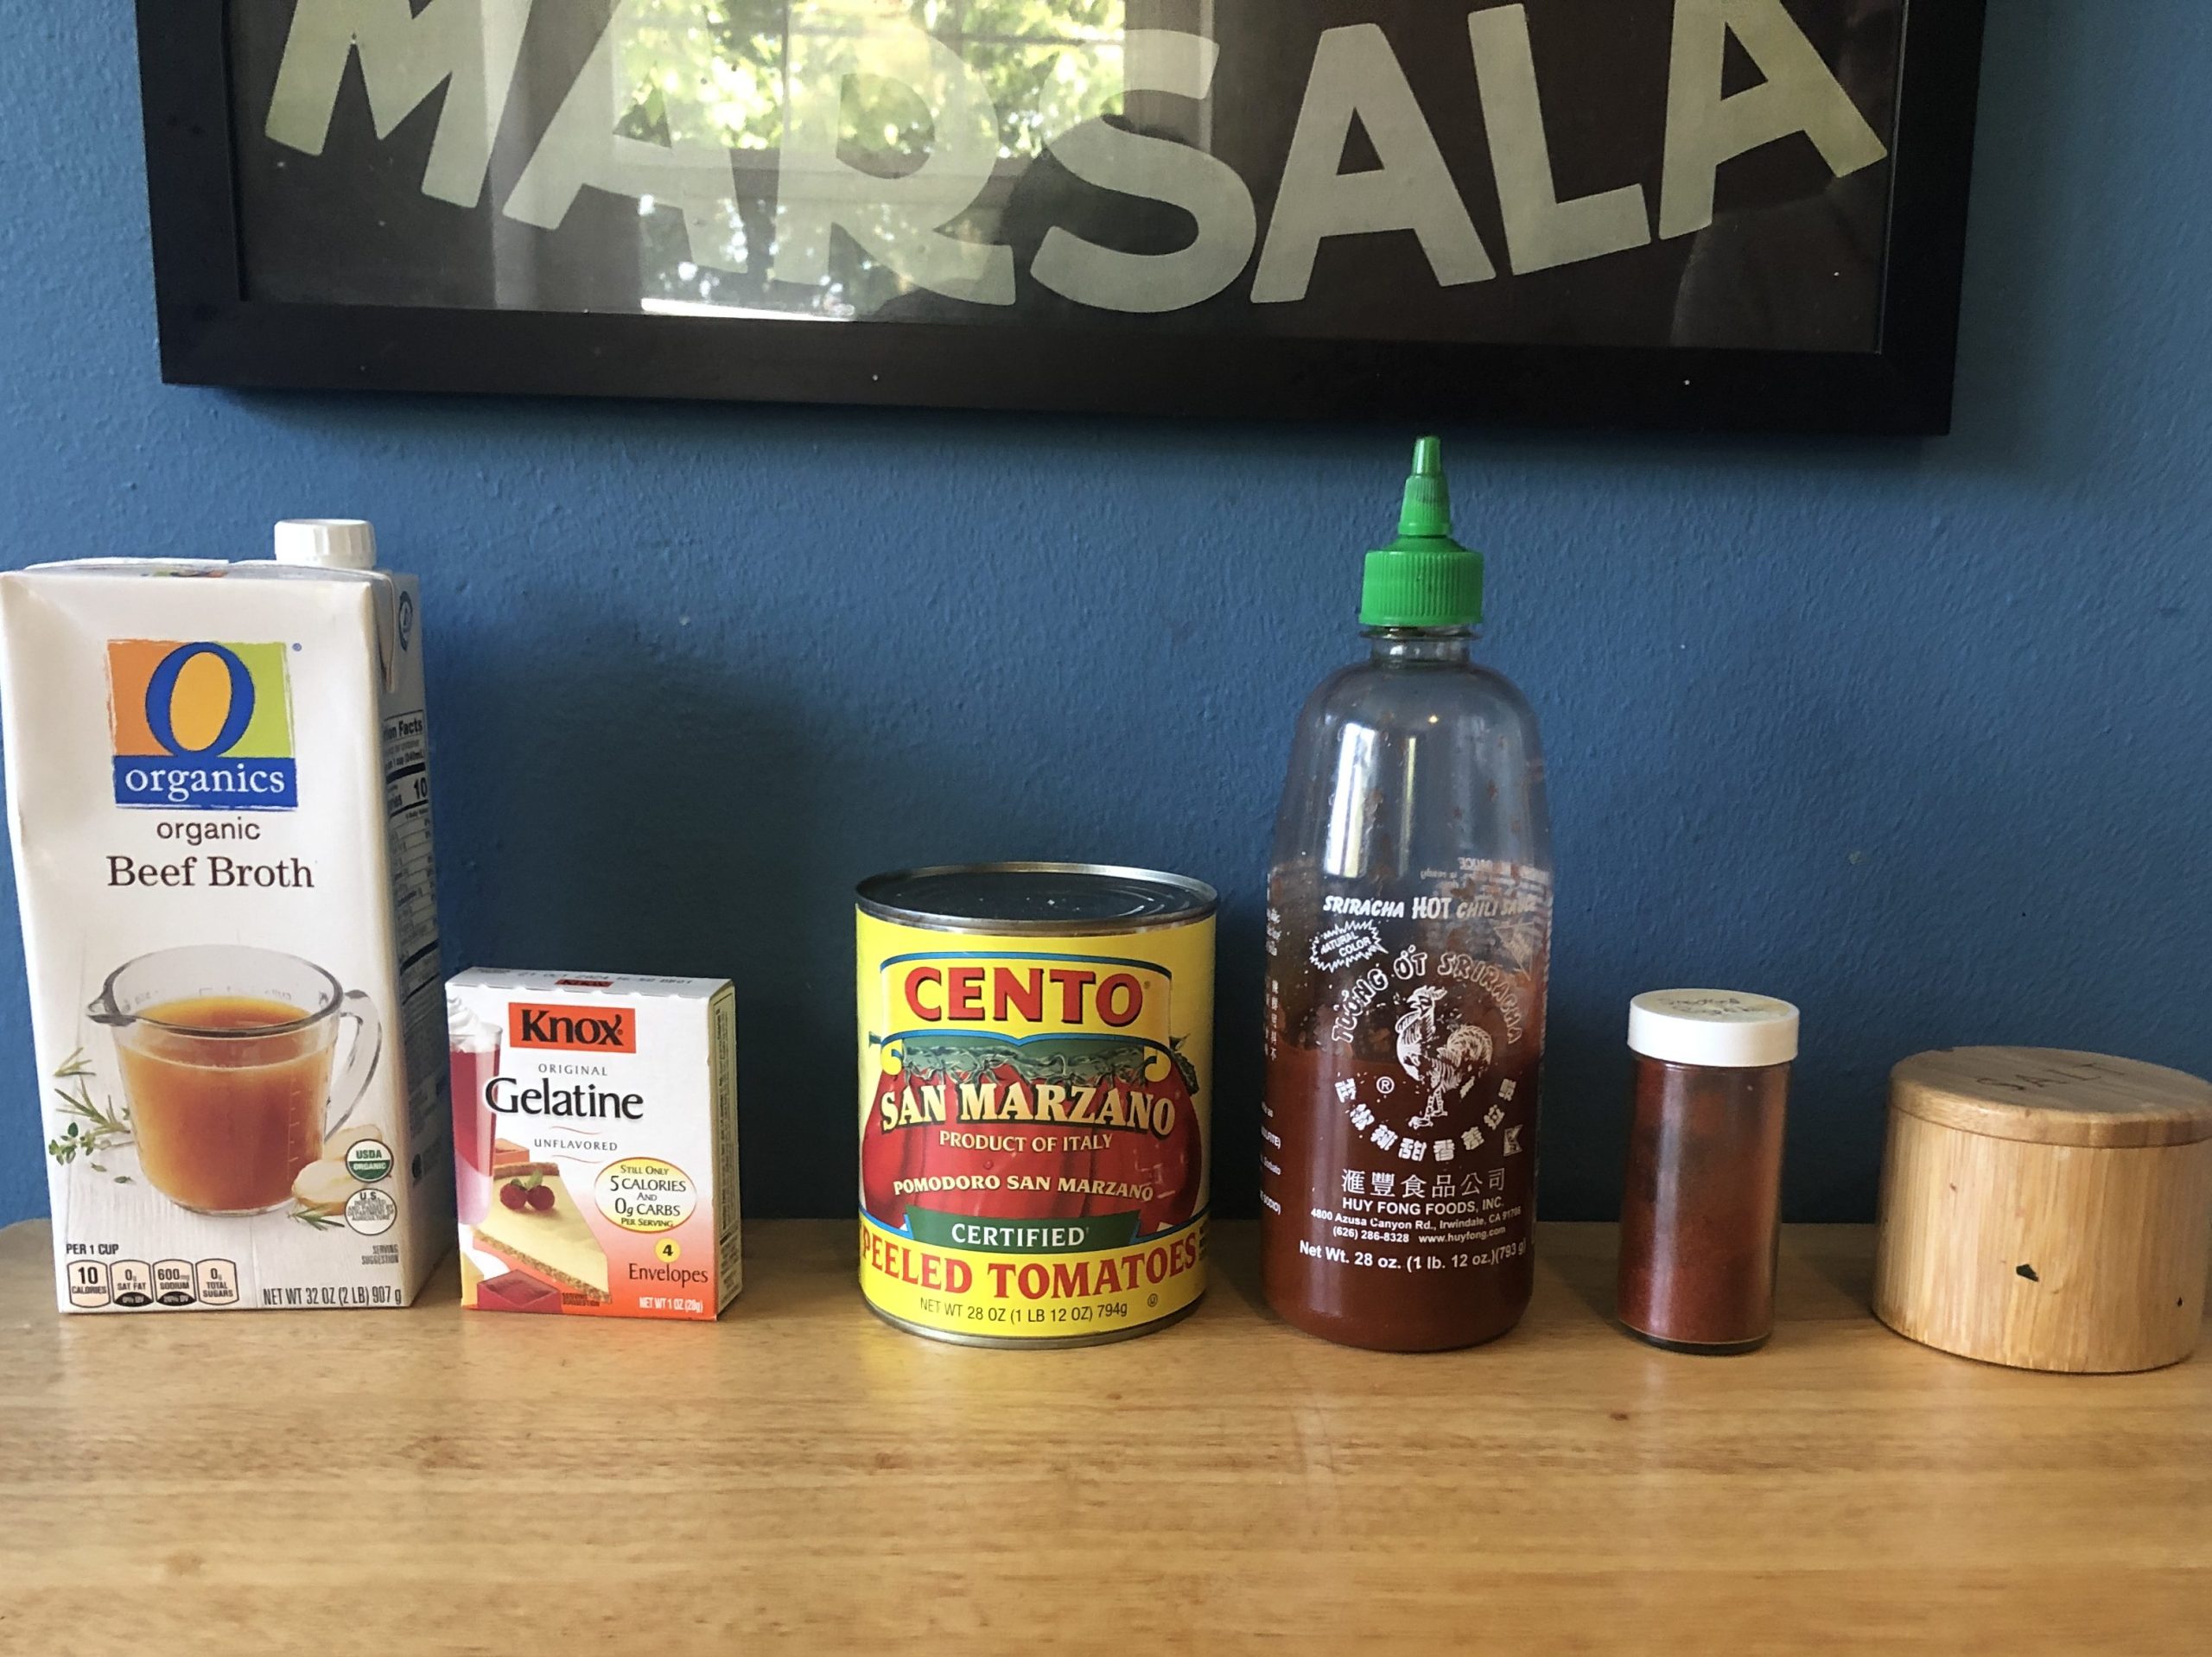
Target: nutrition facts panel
(415,908)
(134,1283)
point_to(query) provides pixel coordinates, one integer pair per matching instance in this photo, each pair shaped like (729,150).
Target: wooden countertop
(424,1482)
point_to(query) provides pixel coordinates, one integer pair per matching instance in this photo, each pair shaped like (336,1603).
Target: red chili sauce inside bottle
(1409,904)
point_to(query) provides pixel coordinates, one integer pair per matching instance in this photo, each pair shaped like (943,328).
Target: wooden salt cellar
(2046,1210)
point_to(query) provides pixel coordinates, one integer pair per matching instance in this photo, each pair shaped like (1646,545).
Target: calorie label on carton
(1034,1128)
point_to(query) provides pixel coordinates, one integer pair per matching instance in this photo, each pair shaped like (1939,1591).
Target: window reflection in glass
(1573,172)
(961,94)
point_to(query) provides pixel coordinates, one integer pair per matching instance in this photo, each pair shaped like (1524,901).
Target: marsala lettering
(463,56)
(512,1098)
(918,1105)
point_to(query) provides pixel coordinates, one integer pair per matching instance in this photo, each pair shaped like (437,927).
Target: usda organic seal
(369,1161)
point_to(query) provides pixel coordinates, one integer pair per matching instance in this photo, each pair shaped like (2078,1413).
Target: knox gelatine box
(219,795)
(595,1143)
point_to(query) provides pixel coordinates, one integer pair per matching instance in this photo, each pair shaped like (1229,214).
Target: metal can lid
(1044,899)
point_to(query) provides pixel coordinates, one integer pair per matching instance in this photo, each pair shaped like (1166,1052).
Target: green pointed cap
(1424,578)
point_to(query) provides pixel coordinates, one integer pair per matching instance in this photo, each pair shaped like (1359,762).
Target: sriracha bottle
(1408,940)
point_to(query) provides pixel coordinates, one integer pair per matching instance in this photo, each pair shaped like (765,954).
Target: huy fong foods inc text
(1033,1148)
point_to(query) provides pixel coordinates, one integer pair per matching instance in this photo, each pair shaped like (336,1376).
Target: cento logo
(201,726)
(588,1029)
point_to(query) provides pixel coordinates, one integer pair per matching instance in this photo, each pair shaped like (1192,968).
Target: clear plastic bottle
(1408,942)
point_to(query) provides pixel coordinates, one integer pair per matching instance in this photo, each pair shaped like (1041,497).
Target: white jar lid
(1720,1027)
(326,542)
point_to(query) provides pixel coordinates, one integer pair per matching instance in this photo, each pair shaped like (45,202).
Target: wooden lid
(2047,1095)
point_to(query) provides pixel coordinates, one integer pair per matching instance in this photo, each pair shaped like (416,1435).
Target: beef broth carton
(219,795)
(595,1143)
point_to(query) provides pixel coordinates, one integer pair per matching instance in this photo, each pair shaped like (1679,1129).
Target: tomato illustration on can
(1034,1047)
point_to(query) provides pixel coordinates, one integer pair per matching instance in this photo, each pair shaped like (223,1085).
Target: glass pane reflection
(1637,172)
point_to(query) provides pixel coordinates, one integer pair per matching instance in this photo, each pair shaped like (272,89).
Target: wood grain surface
(2053,1096)
(802,1476)
(2081,1258)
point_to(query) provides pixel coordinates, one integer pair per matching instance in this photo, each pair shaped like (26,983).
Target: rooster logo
(1445,1064)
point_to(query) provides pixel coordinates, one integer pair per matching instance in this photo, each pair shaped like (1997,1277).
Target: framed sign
(1743,214)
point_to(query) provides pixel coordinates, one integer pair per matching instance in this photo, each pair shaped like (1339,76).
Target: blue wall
(1917,735)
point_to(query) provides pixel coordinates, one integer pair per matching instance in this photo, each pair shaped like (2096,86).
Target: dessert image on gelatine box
(595,1143)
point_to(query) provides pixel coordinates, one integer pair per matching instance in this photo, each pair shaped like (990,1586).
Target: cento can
(1035,1055)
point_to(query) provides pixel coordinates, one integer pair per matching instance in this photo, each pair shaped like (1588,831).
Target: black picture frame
(212,334)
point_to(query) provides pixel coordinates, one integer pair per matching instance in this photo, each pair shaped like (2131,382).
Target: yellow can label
(1035,1128)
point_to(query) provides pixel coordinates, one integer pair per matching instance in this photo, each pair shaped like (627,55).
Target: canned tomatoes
(1035,1051)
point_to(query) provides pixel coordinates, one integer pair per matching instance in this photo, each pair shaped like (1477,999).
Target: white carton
(595,1143)
(219,799)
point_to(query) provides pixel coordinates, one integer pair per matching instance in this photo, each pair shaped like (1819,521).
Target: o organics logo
(586,1029)
(201,726)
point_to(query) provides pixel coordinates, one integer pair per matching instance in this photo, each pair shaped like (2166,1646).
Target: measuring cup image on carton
(227,1057)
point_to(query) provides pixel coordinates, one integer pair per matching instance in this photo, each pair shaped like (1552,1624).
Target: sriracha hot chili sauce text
(1035,1042)
(1408,938)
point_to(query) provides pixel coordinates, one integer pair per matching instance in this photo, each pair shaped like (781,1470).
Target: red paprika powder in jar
(1702,1207)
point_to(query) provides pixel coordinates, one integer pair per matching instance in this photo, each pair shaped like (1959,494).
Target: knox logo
(201,726)
(586,1029)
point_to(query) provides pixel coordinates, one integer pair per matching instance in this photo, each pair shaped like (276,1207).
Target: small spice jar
(1701,1209)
